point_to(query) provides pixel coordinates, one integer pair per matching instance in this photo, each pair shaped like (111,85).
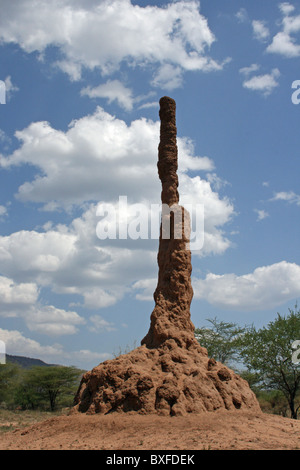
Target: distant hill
(26,362)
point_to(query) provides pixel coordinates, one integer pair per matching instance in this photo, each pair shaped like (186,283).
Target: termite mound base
(168,380)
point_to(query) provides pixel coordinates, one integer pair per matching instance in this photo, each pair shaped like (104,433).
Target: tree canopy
(221,340)
(269,353)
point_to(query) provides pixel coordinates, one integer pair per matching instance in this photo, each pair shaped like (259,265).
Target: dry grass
(15,420)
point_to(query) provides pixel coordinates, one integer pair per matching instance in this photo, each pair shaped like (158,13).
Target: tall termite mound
(170,373)
(171,317)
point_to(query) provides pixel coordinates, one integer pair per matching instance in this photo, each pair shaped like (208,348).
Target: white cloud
(101,158)
(267,287)
(98,158)
(112,90)
(260,30)
(188,162)
(99,298)
(217,212)
(22,300)
(3,211)
(288,196)
(145,288)
(52,321)
(261,214)
(283,42)
(10,88)
(4,138)
(263,83)
(16,297)
(168,77)
(248,70)
(291,24)
(216,182)
(242,15)
(286,8)
(151,104)
(18,344)
(100,324)
(72,69)
(72,260)
(38,254)
(285,45)
(104,35)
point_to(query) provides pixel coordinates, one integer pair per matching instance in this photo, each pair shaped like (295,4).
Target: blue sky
(80,128)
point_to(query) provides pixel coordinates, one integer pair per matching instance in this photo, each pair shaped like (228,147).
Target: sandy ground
(226,430)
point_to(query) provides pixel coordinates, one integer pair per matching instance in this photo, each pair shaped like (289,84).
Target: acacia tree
(8,378)
(221,340)
(268,352)
(47,384)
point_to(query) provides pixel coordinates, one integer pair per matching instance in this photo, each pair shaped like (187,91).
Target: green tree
(41,385)
(8,376)
(268,353)
(221,340)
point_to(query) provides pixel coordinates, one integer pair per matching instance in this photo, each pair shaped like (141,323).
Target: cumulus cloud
(18,344)
(145,289)
(103,35)
(10,88)
(286,8)
(260,30)
(112,90)
(285,45)
(261,214)
(248,70)
(283,42)
(95,161)
(288,196)
(100,158)
(267,287)
(264,84)
(3,211)
(242,15)
(53,321)
(168,77)
(71,259)
(100,324)
(22,300)
(16,297)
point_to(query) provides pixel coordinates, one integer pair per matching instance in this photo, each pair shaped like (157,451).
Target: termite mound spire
(170,373)
(173,295)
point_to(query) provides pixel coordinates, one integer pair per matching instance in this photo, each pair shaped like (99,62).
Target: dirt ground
(224,430)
